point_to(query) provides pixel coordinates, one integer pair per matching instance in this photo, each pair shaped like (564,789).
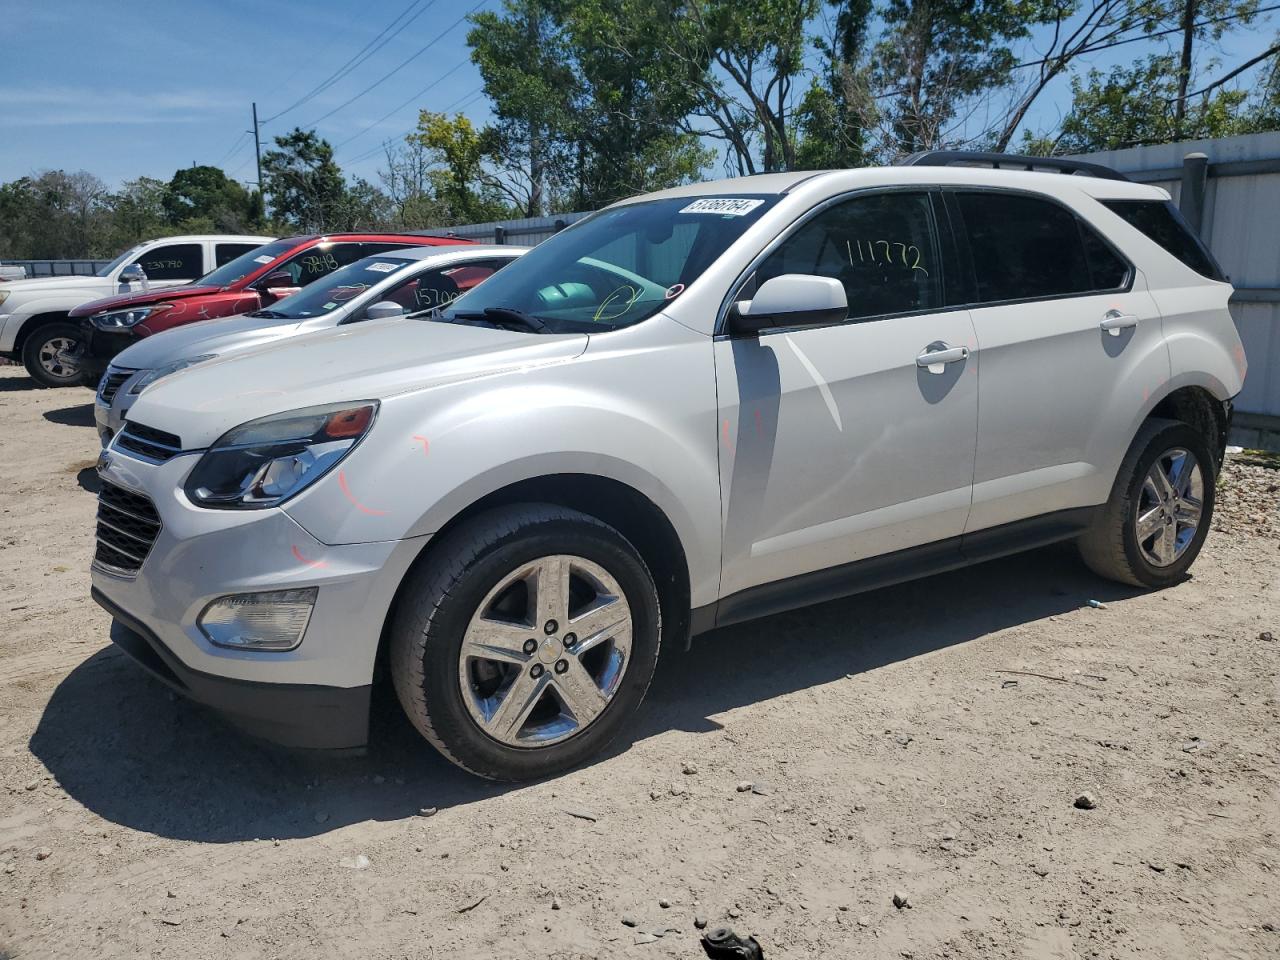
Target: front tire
(526,641)
(40,355)
(1151,529)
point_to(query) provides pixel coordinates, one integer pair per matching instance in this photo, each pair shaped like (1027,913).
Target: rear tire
(490,673)
(1144,535)
(40,350)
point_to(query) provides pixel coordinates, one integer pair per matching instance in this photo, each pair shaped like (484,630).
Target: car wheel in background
(525,641)
(1153,526)
(43,351)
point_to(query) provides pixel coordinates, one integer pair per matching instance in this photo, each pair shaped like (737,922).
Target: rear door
(837,444)
(1071,346)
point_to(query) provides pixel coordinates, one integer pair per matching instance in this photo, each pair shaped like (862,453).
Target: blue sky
(123,89)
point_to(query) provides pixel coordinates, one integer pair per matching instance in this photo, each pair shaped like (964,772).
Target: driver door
(836,443)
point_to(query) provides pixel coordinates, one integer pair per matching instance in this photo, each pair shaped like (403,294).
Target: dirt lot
(894,744)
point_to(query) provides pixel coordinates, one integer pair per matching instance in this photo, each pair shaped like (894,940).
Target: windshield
(331,292)
(246,263)
(127,257)
(613,269)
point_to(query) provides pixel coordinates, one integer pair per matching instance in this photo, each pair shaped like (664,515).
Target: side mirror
(132,274)
(384,309)
(280,284)
(791,300)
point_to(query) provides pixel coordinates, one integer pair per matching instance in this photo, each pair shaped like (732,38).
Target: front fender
(22,316)
(433,453)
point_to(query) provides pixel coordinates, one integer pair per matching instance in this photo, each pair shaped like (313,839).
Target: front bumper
(100,346)
(292,715)
(200,555)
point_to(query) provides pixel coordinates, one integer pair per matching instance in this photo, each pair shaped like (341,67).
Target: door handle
(935,361)
(1115,321)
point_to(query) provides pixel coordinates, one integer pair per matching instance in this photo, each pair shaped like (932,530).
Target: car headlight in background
(275,620)
(264,462)
(124,319)
(151,376)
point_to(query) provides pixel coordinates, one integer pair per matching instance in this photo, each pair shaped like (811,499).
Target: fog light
(259,621)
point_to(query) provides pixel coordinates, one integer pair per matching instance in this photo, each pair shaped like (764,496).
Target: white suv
(35,330)
(692,408)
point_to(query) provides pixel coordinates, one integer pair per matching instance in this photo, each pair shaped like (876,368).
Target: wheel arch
(1199,406)
(622,506)
(34,322)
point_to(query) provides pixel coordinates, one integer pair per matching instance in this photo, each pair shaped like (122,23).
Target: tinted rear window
(1161,222)
(1026,248)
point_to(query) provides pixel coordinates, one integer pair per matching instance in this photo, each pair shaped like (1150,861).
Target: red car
(250,282)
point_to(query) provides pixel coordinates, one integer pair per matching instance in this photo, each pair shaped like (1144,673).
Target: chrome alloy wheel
(545,652)
(53,357)
(1169,507)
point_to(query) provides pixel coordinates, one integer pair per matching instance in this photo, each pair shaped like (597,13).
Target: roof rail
(952,158)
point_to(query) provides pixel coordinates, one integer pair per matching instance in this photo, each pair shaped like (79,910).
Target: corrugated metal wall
(1242,227)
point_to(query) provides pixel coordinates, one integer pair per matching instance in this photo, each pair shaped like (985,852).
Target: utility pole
(257,149)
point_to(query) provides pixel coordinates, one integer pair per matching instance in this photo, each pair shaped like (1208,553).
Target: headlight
(151,376)
(264,462)
(124,319)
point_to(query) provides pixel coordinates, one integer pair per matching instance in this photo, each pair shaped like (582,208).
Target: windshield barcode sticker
(263,259)
(725,206)
(382,267)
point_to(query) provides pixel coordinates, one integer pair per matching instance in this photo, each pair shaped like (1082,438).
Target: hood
(126,300)
(204,337)
(366,361)
(54,284)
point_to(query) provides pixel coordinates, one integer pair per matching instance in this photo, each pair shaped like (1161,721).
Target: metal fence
(58,268)
(1229,189)
(527,232)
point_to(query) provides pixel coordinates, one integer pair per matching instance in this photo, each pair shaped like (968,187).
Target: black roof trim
(955,158)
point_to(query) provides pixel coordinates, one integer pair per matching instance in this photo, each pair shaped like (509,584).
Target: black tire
(1110,547)
(36,350)
(439,598)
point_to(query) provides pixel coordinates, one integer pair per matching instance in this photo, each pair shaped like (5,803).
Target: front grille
(127,528)
(112,380)
(149,442)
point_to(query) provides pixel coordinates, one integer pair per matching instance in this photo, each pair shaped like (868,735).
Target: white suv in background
(690,409)
(34,328)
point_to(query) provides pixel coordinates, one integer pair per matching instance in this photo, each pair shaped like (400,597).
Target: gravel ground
(928,740)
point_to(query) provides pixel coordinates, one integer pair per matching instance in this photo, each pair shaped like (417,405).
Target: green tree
(303,182)
(832,118)
(937,55)
(465,189)
(206,193)
(1131,106)
(138,212)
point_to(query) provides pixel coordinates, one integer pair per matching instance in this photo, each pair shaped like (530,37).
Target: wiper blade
(270,314)
(506,316)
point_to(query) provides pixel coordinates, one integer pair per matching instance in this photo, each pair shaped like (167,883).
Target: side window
(224,253)
(1161,222)
(177,261)
(320,261)
(1025,248)
(1106,270)
(882,247)
(438,288)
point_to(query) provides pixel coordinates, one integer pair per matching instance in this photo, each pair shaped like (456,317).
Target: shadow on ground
(131,752)
(77,416)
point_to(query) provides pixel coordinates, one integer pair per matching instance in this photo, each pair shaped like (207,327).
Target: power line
(1151,36)
(404,63)
(363,54)
(235,148)
(397,109)
(463,101)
